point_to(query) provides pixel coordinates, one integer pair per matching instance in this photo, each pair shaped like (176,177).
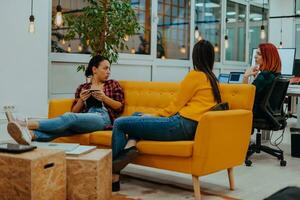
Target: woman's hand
(84,95)
(99,95)
(252,71)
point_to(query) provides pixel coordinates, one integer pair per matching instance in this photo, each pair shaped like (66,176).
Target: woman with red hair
(268,67)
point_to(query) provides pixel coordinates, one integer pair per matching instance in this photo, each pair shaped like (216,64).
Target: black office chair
(274,119)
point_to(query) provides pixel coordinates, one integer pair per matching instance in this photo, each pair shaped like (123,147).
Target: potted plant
(104,26)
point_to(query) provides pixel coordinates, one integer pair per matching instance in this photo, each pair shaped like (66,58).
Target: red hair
(270,57)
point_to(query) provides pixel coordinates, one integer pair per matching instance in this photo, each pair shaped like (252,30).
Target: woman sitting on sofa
(268,68)
(198,93)
(96,106)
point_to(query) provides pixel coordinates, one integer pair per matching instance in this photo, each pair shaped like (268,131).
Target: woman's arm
(78,106)
(114,97)
(79,102)
(252,71)
(100,95)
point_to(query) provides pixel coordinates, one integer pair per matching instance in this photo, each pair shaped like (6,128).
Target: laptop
(223,78)
(236,77)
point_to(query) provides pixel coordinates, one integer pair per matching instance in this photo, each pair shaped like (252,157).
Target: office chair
(274,120)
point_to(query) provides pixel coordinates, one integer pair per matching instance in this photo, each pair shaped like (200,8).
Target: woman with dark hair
(268,67)
(96,106)
(197,94)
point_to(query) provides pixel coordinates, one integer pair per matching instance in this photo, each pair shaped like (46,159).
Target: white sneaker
(21,120)
(9,116)
(19,133)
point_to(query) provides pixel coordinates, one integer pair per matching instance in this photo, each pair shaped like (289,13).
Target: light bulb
(69,49)
(216,48)
(200,37)
(79,48)
(63,41)
(31,27)
(280,45)
(126,38)
(163,57)
(226,43)
(197,33)
(132,50)
(182,49)
(58,17)
(262,32)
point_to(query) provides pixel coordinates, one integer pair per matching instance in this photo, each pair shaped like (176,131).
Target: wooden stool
(89,176)
(35,175)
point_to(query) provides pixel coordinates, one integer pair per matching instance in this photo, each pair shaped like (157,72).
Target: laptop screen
(223,78)
(236,77)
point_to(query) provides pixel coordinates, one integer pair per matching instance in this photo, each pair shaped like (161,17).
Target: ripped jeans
(68,124)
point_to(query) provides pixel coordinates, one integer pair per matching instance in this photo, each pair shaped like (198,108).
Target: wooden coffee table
(89,176)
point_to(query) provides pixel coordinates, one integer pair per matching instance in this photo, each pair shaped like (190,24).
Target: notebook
(59,146)
(69,148)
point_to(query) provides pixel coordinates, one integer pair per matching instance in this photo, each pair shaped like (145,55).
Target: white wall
(24,57)
(282,8)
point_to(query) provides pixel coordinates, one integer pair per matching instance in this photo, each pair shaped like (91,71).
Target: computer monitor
(236,77)
(296,70)
(287,57)
(223,78)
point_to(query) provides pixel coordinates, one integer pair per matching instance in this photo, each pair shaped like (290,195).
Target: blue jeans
(172,128)
(72,123)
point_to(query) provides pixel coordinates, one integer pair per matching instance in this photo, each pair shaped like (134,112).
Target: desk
(295,93)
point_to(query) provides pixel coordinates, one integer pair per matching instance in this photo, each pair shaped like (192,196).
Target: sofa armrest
(221,140)
(59,106)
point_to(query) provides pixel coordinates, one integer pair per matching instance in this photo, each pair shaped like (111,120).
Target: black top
(93,102)
(262,83)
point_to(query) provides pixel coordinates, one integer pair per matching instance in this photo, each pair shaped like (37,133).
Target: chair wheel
(283,163)
(248,163)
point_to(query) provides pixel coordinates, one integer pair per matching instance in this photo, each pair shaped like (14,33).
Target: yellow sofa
(221,139)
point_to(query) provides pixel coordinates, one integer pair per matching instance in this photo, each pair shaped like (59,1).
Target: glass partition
(258,17)
(208,23)
(173,29)
(236,31)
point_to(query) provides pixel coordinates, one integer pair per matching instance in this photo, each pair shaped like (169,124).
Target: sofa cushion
(177,148)
(101,138)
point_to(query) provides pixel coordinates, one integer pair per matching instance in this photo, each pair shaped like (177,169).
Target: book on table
(69,148)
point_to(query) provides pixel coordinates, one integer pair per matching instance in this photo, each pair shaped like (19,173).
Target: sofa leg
(230,177)
(196,185)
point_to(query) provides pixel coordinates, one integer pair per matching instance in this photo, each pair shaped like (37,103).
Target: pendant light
(262,27)
(69,49)
(280,43)
(31,27)
(183,49)
(226,42)
(58,17)
(197,33)
(80,47)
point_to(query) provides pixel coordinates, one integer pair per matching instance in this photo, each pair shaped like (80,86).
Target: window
(58,43)
(297,44)
(137,44)
(173,29)
(208,23)
(141,42)
(236,30)
(258,17)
